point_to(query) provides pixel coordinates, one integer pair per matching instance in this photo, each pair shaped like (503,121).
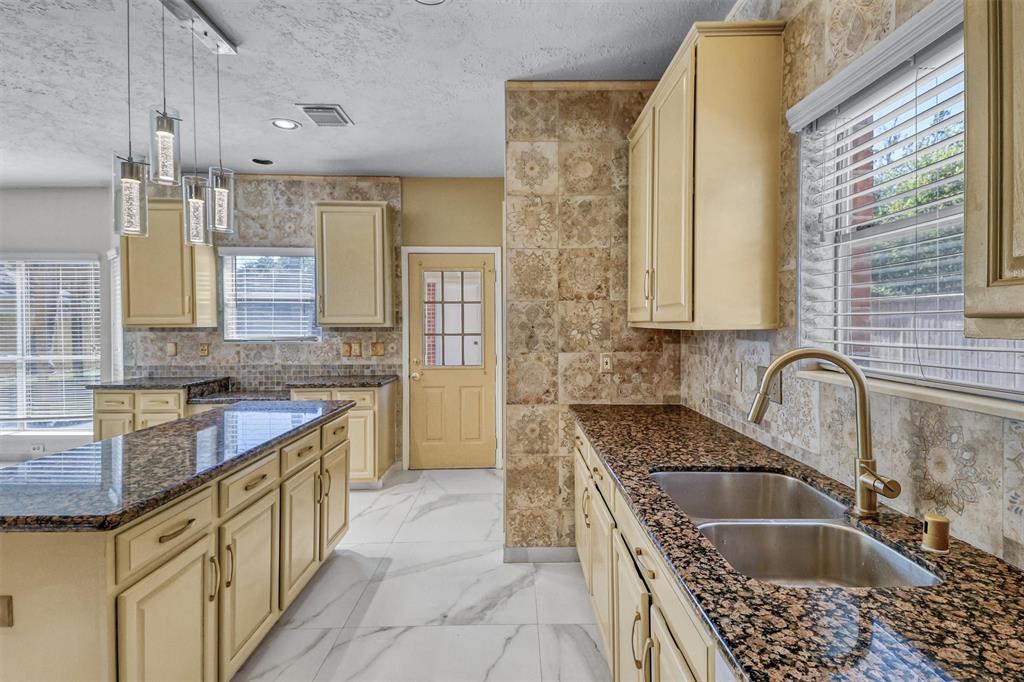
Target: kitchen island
(168,553)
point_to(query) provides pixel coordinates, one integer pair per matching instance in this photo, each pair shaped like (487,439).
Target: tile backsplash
(966,465)
(565,248)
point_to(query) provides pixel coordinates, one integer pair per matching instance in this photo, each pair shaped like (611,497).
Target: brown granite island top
(103,485)
(970,626)
(344,381)
(228,397)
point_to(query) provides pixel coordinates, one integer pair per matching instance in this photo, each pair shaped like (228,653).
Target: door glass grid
(452,318)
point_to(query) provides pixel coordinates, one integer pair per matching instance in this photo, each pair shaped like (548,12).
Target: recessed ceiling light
(285,123)
(430,2)
(263,162)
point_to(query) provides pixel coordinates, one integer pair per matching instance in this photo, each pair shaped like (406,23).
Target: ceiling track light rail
(191,16)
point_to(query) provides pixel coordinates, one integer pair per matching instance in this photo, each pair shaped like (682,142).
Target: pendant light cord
(195,119)
(128,50)
(220,147)
(163,53)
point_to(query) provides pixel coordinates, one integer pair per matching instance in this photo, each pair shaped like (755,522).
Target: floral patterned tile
(1013,481)
(531,114)
(618,273)
(532,222)
(586,167)
(532,167)
(583,274)
(532,429)
(531,481)
(532,327)
(533,274)
(855,25)
(580,379)
(585,115)
(586,221)
(533,528)
(532,379)
(584,326)
(803,50)
(636,378)
(626,107)
(635,339)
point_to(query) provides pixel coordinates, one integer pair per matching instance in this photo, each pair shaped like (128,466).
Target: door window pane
(453,286)
(452,350)
(471,317)
(474,354)
(452,318)
(432,351)
(431,286)
(471,286)
(452,327)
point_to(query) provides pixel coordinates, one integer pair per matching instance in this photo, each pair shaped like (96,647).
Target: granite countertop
(156,383)
(104,485)
(228,397)
(970,626)
(344,381)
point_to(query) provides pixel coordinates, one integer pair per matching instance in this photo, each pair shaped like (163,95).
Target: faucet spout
(868,483)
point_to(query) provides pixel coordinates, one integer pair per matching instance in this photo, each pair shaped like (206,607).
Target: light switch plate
(606,363)
(357,349)
(346,349)
(377,348)
(204,350)
(171,348)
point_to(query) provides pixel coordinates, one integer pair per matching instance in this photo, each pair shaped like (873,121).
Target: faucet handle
(886,487)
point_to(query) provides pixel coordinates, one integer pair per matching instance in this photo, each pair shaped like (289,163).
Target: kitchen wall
(452,211)
(965,464)
(275,210)
(565,265)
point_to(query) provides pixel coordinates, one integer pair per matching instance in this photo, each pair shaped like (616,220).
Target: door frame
(499,346)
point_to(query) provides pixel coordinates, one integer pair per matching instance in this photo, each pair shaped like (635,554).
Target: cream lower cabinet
(704,159)
(300,531)
(249,554)
(109,424)
(334,509)
(371,428)
(116,413)
(650,629)
(582,515)
(167,621)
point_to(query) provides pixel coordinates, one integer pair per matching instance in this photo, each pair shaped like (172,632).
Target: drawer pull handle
(176,533)
(638,663)
(340,429)
(216,577)
(255,482)
(231,555)
(644,568)
(304,451)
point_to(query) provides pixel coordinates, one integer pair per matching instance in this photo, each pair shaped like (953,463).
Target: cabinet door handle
(254,483)
(216,577)
(175,533)
(648,648)
(231,555)
(647,276)
(320,303)
(583,504)
(318,482)
(642,563)
(327,476)
(653,284)
(637,662)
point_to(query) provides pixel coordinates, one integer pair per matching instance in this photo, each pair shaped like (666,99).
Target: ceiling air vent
(326,115)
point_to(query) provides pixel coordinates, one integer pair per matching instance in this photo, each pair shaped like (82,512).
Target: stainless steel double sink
(777,528)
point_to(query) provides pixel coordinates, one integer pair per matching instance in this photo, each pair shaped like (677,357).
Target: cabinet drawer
(579,442)
(334,432)
(159,402)
(687,627)
(248,484)
(300,451)
(162,534)
(113,401)
(310,394)
(602,479)
(361,398)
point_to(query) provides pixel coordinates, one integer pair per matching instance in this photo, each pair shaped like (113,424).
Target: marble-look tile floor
(418,591)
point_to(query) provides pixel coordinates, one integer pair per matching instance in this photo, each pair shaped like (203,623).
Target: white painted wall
(57,221)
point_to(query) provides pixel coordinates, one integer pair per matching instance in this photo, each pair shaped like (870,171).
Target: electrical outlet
(204,350)
(606,363)
(171,348)
(37,448)
(346,349)
(377,348)
(775,390)
(357,349)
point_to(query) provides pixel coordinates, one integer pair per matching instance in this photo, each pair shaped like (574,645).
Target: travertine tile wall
(967,465)
(565,250)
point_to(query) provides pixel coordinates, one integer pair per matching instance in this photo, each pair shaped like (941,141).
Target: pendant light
(164,133)
(221,182)
(131,207)
(195,189)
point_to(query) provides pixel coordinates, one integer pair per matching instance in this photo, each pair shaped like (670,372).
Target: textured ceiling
(424,85)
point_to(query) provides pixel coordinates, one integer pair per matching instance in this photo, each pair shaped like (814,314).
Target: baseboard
(540,555)
(379,483)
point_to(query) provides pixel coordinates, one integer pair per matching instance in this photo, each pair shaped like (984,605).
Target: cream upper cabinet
(354,269)
(703,232)
(994,211)
(165,282)
(166,622)
(641,194)
(249,555)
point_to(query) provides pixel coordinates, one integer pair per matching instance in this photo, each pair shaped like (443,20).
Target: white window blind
(882,232)
(269,297)
(50,340)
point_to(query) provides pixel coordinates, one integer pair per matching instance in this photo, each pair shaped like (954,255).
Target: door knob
(415,376)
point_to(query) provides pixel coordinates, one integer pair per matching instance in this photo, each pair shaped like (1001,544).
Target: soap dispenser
(935,537)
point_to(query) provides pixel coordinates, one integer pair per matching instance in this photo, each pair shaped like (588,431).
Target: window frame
(261,251)
(929,388)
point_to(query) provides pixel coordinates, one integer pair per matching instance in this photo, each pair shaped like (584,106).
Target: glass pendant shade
(164,148)
(222,200)
(131,207)
(195,194)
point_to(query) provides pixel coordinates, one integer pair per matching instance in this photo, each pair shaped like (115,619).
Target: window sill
(1008,409)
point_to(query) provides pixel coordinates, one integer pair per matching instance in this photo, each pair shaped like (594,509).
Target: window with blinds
(882,232)
(269,298)
(50,342)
